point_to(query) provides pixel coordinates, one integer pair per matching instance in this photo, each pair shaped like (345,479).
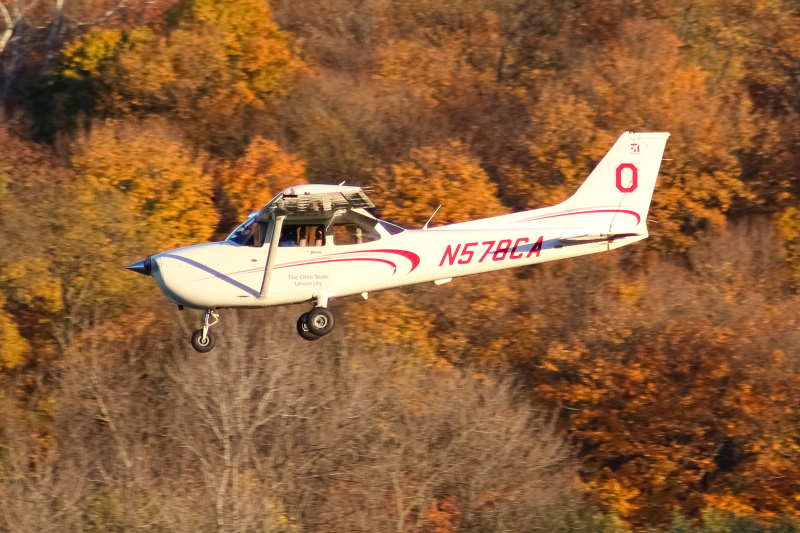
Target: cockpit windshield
(392,229)
(246,233)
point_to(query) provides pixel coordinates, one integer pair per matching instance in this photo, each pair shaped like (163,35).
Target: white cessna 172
(312,243)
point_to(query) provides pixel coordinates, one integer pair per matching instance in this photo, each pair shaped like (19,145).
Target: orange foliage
(264,171)
(408,192)
(444,516)
(392,319)
(147,181)
(223,58)
(639,81)
(678,392)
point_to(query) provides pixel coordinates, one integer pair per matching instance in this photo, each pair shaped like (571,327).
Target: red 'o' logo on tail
(634,177)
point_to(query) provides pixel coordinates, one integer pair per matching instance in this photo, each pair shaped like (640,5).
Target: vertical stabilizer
(616,195)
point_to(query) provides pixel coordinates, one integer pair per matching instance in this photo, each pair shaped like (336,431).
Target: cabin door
(301,267)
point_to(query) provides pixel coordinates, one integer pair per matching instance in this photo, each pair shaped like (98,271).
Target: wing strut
(273,248)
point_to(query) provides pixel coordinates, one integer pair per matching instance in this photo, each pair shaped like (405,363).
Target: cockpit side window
(302,235)
(349,233)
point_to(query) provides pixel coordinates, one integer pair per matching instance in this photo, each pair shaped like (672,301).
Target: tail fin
(614,199)
(616,195)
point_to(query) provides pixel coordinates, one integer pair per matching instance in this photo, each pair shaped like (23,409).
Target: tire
(320,321)
(197,341)
(302,329)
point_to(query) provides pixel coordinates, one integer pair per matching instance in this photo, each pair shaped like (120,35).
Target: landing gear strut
(203,340)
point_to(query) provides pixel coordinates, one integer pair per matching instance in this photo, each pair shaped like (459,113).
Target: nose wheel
(203,340)
(315,324)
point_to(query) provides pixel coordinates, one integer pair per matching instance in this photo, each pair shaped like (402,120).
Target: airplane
(313,243)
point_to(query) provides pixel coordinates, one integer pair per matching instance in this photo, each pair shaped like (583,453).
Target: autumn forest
(654,388)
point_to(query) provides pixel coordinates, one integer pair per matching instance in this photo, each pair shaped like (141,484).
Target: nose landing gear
(203,340)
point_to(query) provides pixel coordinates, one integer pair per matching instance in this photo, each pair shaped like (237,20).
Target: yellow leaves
(127,71)
(260,55)
(408,192)
(636,373)
(728,502)
(239,18)
(562,140)
(431,73)
(617,497)
(567,354)
(263,172)
(225,56)
(629,294)
(84,56)
(140,183)
(13,347)
(787,227)
(31,281)
(5,181)
(550,366)
(140,75)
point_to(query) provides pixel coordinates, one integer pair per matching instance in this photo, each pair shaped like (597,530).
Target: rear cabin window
(302,235)
(344,234)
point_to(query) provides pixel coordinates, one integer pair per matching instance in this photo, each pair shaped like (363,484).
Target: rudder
(616,196)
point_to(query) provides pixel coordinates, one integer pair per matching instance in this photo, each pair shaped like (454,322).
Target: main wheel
(199,345)
(302,328)
(320,321)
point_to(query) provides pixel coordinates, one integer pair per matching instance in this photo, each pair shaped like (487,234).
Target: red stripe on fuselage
(568,213)
(411,256)
(394,266)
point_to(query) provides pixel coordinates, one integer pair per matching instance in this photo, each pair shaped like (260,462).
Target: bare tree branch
(9,27)
(53,36)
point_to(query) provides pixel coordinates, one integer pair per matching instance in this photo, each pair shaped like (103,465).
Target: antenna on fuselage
(433,215)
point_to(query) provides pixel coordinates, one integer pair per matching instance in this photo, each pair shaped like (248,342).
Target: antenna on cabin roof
(433,215)
(342,183)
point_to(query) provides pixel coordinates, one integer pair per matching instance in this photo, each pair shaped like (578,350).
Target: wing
(319,199)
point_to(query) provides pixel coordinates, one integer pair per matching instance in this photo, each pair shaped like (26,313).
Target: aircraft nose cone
(142,267)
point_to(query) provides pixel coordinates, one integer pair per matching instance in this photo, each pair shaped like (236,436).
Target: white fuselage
(226,274)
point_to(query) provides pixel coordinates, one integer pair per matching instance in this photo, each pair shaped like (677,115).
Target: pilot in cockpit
(288,236)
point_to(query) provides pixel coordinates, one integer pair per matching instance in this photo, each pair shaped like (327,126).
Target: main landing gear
(316,323)
(203,340)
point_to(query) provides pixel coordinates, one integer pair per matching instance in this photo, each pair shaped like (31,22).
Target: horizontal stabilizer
(597,237)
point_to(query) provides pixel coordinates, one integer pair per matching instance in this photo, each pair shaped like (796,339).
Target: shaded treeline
(670,370)
(268,434)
